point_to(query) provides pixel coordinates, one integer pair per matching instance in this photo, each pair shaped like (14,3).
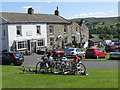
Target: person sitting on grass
(75,61)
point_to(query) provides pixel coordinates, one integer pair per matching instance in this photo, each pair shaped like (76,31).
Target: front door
(33,47)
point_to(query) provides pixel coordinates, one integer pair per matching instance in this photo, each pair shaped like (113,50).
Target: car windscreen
(18,54)
(70,49)
(91,50)
(114,46)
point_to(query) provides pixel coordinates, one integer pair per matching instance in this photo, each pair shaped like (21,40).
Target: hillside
(97,20)
(105,27)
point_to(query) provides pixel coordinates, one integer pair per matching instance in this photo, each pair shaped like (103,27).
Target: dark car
(115,54)
(12,58)
(95,52)
(110,48)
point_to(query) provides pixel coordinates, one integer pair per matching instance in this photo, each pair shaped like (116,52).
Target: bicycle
(45,66)
(25,70)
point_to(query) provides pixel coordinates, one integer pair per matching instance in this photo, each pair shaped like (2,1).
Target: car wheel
(18,64)
(110,58)
(97,56)
(12,64)
(86,57)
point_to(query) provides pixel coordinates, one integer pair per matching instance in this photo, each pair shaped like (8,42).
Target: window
(77,38)
(65,28)
(51,41)
(71,29)
(19,32)
(51,29)
(21,44)
(3,32)
(41,42)
(66,40)
(76,29)
(38,30)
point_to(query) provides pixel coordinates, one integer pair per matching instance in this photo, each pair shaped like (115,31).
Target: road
(30,61)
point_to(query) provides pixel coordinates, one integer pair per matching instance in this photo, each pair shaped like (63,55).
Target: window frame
(66,40)
(19,28)
(21,45)
(65,28)
(51,29)
(41,42)
(38,30)
(52,42)
(76,29)
(3,32)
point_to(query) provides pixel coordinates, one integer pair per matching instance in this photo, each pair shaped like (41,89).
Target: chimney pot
(30,11)
(57,12)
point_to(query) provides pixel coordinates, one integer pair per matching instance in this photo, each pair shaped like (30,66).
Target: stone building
(21,31)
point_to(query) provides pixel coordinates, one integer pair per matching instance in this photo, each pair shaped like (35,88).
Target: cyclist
(75,61)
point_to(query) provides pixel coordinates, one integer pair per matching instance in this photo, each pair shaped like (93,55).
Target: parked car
(12,58)
(58,53)
(115,54)
(95,52)
(73,52)
(109,48)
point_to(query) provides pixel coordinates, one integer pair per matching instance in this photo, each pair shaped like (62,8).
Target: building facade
(21,31)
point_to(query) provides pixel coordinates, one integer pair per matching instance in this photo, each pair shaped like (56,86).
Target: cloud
(111,11)
(36,8)
(25,7)
(91,14)
(95,14)
(48,2)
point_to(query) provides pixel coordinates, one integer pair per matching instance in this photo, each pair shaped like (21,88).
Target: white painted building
(23,36)
(22,31)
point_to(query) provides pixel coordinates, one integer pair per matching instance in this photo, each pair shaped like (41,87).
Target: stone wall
(71,28)
(85,33)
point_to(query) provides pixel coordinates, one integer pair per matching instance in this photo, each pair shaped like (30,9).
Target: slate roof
(95,40)
(34,18)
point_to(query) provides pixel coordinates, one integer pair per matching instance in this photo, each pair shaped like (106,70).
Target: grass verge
(97,78)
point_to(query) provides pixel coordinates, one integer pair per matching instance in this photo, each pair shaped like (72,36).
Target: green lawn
(97,78)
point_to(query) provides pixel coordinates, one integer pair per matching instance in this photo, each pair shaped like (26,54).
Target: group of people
(63,58)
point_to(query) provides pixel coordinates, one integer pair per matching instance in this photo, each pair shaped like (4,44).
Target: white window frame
(51,29)
(19,28)
(21,45)
(66,40)
(76,29)
(65,28)
(51,41)
(38,30)
(41,42)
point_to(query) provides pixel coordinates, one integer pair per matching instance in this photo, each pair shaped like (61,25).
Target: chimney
(30,11)
(57,12)
(81,22)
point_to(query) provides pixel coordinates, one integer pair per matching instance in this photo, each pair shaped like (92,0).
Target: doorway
(33,47)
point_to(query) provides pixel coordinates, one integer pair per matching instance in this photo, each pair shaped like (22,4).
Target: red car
(95,52)
(111,47)
(57,53)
